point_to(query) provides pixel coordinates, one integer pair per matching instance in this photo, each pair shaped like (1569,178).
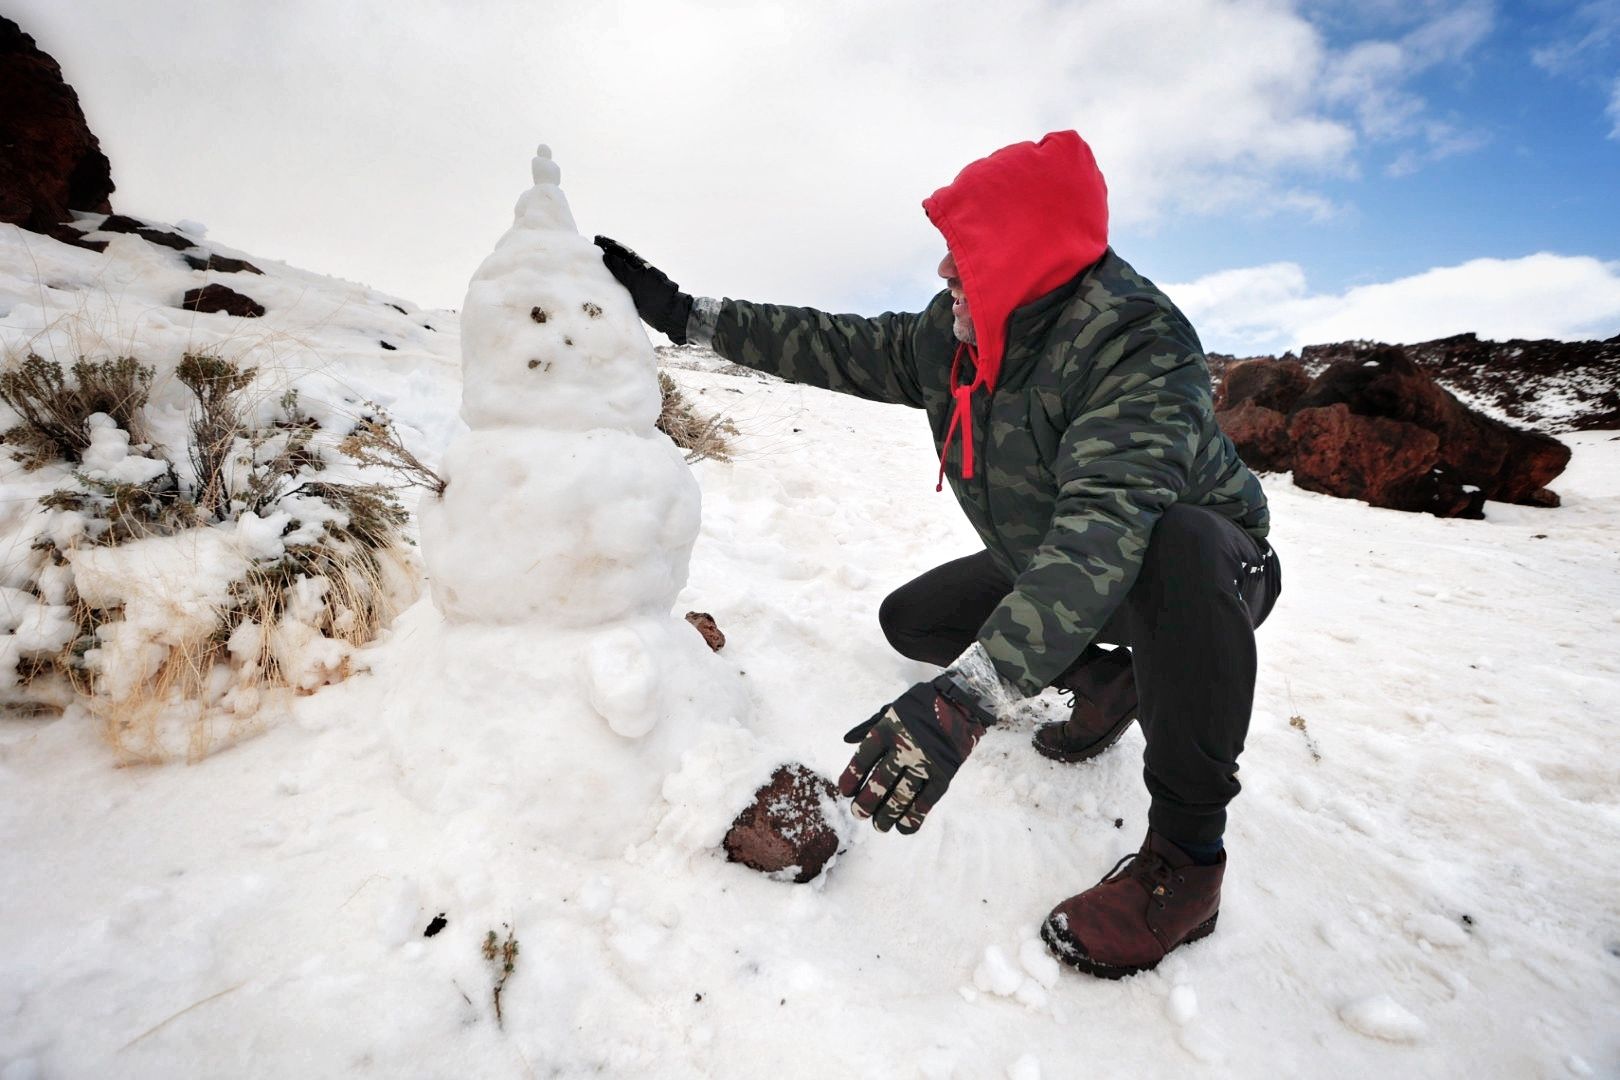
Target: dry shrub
(345,586)
(700,436)
(375,441)
(55,410)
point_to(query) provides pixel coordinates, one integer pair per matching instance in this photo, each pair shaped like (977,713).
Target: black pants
(1189,621)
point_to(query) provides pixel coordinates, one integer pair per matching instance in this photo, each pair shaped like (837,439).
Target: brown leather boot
(1148,904)
(1104,690)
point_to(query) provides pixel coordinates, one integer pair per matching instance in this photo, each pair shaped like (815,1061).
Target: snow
(1380,1017)
(1430,892)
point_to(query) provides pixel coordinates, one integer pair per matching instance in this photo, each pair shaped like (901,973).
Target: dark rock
(222,264)
(215,297)
(51,161)
(165,238)
(388,347)
(1507,464)
(706,626)
(1261,436)
(69,235)
(1388,463)
(1270,384)
(788,825)
(121,223)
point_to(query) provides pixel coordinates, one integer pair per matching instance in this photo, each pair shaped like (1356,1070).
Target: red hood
(1020,223)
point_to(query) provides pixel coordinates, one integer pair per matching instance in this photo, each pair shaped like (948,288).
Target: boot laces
(1150,870)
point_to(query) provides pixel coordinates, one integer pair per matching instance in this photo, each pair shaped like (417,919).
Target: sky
(1290,171)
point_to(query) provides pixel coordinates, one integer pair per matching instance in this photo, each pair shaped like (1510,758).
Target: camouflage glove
(659,301)
(909,751)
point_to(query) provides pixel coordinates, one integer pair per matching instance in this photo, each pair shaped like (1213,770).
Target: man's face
(963,322)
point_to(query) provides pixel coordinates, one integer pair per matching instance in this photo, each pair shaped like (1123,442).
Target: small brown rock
(67,234)
(788,826)
(706,626)
(223,264)
(165,238)
(120,223)
(216,297)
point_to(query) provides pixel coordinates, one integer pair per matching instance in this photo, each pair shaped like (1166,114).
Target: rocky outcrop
(51,162)
(216,297)
(1375,426)
(786,830)
(1551,386)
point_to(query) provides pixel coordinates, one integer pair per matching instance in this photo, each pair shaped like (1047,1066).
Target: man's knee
(897,620)
(1192,544)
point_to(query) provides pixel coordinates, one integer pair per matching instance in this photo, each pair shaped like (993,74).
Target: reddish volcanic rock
(50,162)
(1270,384)
(1507,464)
(706,626)
(217,297)
(788,827)
(1388,463)
(1261,436)
(1268,406)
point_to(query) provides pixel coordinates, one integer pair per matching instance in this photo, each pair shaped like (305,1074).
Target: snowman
(555,555)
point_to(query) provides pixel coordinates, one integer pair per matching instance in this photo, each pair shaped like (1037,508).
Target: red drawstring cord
(961,414)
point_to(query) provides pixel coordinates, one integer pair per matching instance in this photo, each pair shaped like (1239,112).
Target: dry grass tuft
(701,437)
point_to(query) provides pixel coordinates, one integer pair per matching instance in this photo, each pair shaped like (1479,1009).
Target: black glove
(659,301)
(909,751)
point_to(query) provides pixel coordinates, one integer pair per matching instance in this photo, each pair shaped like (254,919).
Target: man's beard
(963,328)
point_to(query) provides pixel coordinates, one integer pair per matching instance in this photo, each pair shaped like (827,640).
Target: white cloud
(1614,110)
(776,150)
(1372,77)
(1270,309)
(1583,35)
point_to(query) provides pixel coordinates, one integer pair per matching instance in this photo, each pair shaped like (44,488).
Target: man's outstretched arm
(871,358)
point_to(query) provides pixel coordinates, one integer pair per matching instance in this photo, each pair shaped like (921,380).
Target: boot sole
(1067,952)
(1085,753)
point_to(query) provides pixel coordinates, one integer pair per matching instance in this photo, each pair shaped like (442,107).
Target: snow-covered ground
(1424,876)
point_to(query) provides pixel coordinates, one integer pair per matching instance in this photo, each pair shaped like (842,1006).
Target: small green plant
(502,957)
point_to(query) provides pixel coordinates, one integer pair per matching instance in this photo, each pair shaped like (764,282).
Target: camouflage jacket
(1101,419)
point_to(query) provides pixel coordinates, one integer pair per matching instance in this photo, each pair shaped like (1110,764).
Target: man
(1071,406)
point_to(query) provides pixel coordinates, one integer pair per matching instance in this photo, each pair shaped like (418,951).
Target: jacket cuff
(701,323)
(975,675)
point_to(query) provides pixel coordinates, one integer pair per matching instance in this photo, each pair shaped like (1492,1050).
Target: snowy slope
(1423,878)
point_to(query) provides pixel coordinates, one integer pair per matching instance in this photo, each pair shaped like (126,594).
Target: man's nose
(947,266)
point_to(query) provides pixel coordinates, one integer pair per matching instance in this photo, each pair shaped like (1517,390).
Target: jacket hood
(1019,223)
